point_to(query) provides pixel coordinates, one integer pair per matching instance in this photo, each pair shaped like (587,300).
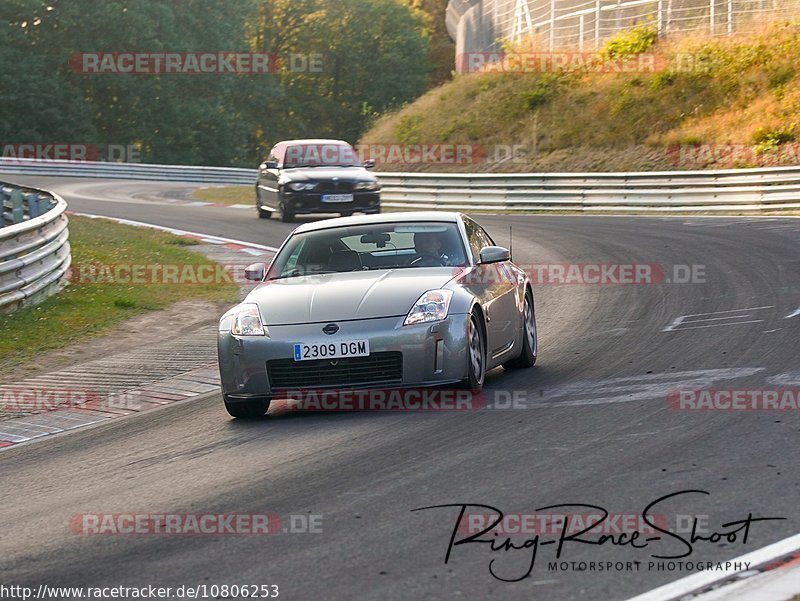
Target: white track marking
(680,323)
(686,586)
(177,232)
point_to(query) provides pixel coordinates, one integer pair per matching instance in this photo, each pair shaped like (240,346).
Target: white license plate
(331,350)
(337,198)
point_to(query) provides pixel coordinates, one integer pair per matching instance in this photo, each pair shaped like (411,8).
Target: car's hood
(346,296)
(326,173)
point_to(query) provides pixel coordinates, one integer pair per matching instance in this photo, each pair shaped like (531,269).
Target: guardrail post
(32,200)
(17,210)
(3,195)
(45,203)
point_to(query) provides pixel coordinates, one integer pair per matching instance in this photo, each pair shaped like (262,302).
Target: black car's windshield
(320,155)
(370,247)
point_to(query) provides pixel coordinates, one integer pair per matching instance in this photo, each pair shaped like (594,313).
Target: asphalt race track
(592,425)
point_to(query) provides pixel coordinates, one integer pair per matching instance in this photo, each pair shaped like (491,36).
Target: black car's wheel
(476,354)
(530,338)
(246,409)
(286,215)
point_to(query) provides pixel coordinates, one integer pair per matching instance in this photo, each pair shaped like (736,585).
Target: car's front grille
(378,369)
(329,187)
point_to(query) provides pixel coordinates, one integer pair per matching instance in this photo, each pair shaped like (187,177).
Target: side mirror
(255,272)
(495,254)
(369,164)
(268,165)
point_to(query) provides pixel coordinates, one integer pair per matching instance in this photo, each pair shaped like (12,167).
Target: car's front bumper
(432,354)
(303,203)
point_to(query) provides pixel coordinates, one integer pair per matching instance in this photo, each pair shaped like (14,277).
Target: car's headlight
(431,306)
(247,321)
(367,186)
(300,186)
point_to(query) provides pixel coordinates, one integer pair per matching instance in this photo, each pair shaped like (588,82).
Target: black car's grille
(329,187)
(378,369)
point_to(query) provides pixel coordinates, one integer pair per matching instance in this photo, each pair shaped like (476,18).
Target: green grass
(229,195)
(85,310)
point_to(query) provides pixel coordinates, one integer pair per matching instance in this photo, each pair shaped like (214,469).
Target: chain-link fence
(481,25)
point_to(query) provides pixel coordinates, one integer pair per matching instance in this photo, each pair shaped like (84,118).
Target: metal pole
(597,25)
(669,17)
(660,19)
(730,17)
(552,24)
(711,15)
(580,33)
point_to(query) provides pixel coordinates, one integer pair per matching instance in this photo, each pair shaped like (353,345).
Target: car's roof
(447,216)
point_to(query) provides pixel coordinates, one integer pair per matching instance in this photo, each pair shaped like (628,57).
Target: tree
(374,58)
(442,48)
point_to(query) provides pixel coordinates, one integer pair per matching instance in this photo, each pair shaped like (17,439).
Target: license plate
(337,198)
(331,350)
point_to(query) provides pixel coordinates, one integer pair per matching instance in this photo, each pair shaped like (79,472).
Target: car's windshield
(370,247)
(320,155)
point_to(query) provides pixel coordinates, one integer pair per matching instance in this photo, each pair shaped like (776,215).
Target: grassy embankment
(86,309)
(706,103)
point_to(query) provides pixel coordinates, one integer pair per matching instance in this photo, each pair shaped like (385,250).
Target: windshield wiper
(313,166)
(299,274)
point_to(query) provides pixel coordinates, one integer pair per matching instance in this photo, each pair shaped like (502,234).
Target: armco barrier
(34,246)
(720,190)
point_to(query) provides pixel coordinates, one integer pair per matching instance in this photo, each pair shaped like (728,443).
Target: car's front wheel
(249,409)
(286,215)
(530,338)
(476,354)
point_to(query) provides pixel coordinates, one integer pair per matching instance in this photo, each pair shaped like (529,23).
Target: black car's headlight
(369,186)
(431,306)
(302,186)
(247,321)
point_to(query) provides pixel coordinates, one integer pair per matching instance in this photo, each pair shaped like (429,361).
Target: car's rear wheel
(262,214)
(249,409)
(530,338)
(476,354)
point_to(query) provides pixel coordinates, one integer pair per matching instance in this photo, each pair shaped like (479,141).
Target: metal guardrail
(179,173)
(720,190)
(723,190)
(34,246)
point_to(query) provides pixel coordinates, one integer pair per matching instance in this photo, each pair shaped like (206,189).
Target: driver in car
(428,246)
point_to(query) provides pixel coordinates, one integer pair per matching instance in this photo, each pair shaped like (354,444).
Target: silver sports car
(377,302)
